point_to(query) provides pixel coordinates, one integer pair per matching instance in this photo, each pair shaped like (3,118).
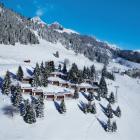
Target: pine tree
(103,87)
(64,69)
(99,95)
(92,72)
(109,126)
(22,109)
(109,111)
(104,71)
(79,77)
(84,75)
(57,54)
(36,80)
(88,72)
(111,98)
(93,110)
(59,68)
(20,74)
(42,68)
(114,127)
(39,109)
(52,67)
(29,117)
(43,75)
(76,94)
(73,73)
(16,97)
(6,84)
(62,106)
(37,69)
(118,112)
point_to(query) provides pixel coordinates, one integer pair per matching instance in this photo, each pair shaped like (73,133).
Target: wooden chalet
(27,90)
(57,74)
(57,81)
(37,92)
(27,80)
(85,87)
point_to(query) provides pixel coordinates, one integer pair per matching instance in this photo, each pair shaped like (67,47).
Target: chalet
(53,92)
(89,81)
(85,87)
(27,80)
(49,95)
(27,90)
(73,86)
(57,74)
(37,92)
(57,81)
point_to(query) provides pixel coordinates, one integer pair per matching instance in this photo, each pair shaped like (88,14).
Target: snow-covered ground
(74,124)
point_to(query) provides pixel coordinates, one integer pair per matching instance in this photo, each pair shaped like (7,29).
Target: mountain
(16,28)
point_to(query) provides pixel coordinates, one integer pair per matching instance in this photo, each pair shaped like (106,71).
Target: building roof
(52,89)
(56,79)
(57,73)
(86,85)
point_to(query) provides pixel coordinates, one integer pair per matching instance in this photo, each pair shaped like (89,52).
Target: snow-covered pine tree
(39,108)
(52,67)
(103,87)
(93,110)
(88,72)
(36,80)
(20,74)
(114,127)
(109,111)
(73,73)
(57,54)
(118,112)
(29,117)
(37,69)
(59,68)
(92,72)
(6,84)
(79,76)
(111,98)
(63,106)
(42,68)
(99,94)
(84,74)
(23,108)
(16,96)
(104,71)
(109,125)
(64,69)
(76,94)
(36,77)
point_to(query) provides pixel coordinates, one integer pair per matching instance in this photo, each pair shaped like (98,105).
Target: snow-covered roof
(56,79)
(52,89)
(86,85)
(57,73)
(24,85)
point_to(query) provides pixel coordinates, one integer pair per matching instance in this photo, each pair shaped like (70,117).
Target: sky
(115,21)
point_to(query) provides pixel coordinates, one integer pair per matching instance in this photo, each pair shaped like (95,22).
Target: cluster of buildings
(57,88)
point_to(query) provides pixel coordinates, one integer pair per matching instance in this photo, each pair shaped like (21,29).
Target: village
(48,83)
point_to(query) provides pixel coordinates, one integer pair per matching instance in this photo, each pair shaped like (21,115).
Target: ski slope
(74,124)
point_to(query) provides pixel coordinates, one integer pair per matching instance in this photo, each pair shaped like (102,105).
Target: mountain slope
(18,29)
